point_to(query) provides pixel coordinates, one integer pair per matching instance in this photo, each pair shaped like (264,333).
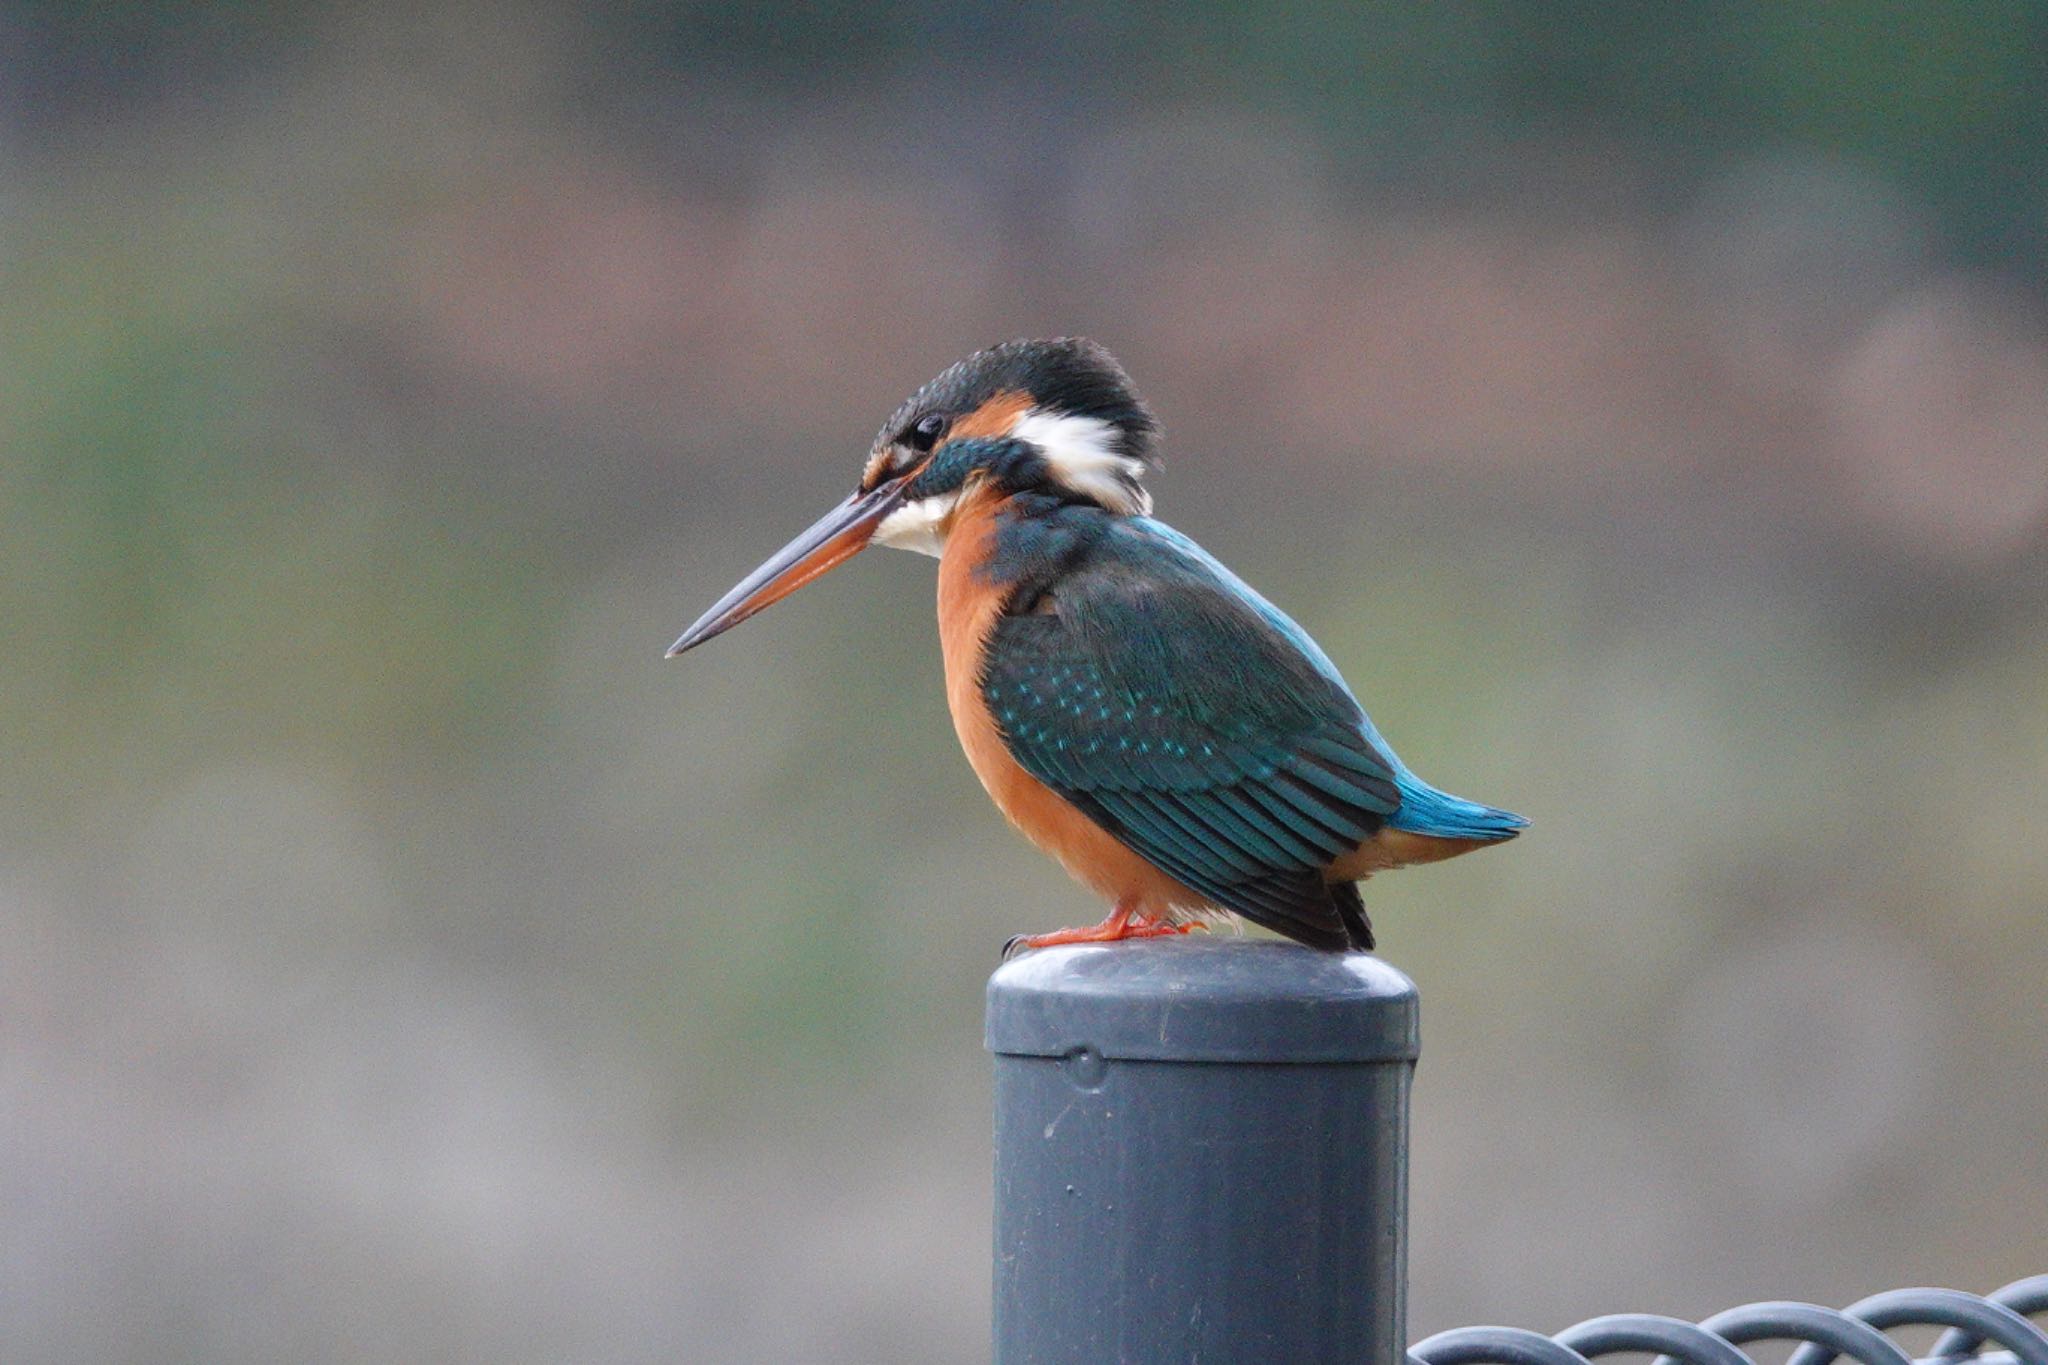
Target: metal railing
(1202,1155)
(1857,1331)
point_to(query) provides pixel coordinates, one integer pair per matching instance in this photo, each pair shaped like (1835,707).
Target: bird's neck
(969,553)
(1004,551)
(970,600)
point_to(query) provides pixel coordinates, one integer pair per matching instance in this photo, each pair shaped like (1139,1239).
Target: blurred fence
(1825,1334)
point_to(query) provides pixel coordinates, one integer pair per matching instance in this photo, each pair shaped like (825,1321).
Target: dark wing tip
(1350,906)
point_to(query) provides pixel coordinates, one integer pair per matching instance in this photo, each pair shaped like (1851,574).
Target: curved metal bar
(1492,1346)
(1650,1332)
(2025,1297)
(1946,1308)
(1828,1327)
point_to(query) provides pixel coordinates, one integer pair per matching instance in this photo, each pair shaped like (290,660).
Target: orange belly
(968,607)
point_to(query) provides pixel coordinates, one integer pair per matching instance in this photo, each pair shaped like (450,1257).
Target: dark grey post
(1201,1154)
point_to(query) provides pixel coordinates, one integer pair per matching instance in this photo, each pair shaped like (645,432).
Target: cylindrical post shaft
(1201,1154)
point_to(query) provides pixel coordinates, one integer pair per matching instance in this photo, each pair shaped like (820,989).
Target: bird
(1176,742)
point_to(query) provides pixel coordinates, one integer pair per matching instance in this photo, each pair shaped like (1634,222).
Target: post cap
(1202,1000)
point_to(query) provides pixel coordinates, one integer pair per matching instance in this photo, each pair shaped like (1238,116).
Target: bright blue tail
(1425,810)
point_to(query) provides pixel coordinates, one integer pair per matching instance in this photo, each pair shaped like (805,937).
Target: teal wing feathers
(1164,705)
(1424,809)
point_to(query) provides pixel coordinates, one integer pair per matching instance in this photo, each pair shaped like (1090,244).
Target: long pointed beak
(833,539)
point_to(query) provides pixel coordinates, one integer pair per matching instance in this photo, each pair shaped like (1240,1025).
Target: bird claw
(1112,930)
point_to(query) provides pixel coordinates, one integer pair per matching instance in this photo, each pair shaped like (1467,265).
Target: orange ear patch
(995,417)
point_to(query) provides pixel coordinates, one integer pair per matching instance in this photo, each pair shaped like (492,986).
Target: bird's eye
(925,432)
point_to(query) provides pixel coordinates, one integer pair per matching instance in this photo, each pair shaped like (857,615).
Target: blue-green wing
(1165,706)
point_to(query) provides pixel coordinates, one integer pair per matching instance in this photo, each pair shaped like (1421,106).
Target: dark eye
(925,432)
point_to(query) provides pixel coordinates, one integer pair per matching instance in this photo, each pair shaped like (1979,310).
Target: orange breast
(968,607)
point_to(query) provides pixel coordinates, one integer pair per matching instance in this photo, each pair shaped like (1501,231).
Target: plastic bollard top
(1202,1000)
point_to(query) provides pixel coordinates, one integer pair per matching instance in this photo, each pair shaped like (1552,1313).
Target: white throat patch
(1083,455)
(920,525)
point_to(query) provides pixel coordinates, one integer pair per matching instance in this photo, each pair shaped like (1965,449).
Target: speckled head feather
(1067,398)
(1069,376)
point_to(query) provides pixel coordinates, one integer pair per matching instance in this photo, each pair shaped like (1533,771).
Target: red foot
(1122,923)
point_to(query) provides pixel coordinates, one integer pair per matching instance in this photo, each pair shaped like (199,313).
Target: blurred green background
(1646,404)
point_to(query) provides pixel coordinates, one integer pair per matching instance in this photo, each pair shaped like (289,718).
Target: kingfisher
(1173,739)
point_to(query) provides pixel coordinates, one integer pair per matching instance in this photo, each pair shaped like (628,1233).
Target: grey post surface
(1201,1154)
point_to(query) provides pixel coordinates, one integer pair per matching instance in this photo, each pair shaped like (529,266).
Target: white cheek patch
(1083,455)
(919,526)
